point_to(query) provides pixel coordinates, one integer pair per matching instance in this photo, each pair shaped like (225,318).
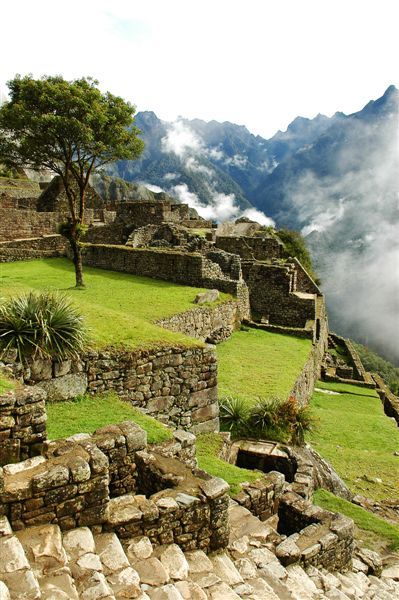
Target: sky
(258,63)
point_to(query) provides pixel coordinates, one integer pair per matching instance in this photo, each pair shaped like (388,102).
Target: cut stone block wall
(322,538)
(176,385)
(249,247)
(73,485)
(213,324)
(47,246)
(262,497)
(22,423)
(271,295)
(389,400)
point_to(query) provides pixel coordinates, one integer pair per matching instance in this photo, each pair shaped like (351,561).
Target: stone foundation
(22,423)
(316,537)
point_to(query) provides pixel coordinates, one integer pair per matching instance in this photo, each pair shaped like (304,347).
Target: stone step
(123,580)
(85,565)
(17,577)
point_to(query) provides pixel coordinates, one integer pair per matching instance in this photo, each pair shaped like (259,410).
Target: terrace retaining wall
(176,385)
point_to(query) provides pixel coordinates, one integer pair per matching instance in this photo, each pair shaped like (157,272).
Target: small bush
(265,419)
(234,415)
(272,418)
(41,326)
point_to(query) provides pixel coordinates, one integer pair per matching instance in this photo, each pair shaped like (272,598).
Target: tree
(72,129)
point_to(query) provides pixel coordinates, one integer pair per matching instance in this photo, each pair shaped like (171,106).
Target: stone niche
(264,456)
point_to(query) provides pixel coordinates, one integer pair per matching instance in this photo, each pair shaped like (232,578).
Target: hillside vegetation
(118,308)
(354,434)
(375,363)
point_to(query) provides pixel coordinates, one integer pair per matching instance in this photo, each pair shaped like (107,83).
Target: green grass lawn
(88,413)
(355,435)
(259,364)
(208,447)
(119,308)
(364,520)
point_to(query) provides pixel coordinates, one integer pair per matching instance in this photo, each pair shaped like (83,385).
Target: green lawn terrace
(257,364)
(119,309)
(87,413)
(360,441)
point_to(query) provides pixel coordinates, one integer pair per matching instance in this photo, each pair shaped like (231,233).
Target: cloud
(352,221)
(151,186)
(258,216)
(221,207)
(171,176)
(326,219)
(238,160)
(180,139)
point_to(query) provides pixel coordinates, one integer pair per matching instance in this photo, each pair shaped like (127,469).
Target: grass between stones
(257,364)
(5,385)
(209,446)
(119,308)
(359,440)
(87,413)
(364,520)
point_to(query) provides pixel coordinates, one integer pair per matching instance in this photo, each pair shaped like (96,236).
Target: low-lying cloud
(181,140)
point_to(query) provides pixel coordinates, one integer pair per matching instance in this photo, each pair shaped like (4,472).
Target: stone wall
(389,400)
(211,324)
(176,507)
(19,188)
(220,271)
(139,213)
(81,481)
(176,385)
(22,423)
(16,223)
(252,248)
(304,282)
(272,296)
(316,537)
(47,246)
(262,497)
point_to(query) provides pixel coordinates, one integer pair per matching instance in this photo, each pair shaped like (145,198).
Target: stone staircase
(42,562)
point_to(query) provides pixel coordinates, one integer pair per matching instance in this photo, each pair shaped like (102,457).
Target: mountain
(335,179)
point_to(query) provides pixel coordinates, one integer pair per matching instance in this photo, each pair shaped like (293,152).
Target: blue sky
(259,63)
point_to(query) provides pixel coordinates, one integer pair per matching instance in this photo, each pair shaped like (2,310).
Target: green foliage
(363,519)
(41,325)
(296,246)
(65,229)
(125,317)
(359,440)
(234,415)
(255,363)
(58,124)
(70,128)
(209,446)
(375,363)
(270,419)
(87,413)
(265,420)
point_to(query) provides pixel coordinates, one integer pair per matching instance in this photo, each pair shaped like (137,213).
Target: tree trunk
(77,261)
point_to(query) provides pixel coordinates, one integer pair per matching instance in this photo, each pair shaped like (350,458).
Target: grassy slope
(88,413)
(255,363)
(364,520)
(357,438)
(118,307)
(208,447)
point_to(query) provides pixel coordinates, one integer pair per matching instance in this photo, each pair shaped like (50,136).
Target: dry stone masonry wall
(22,423)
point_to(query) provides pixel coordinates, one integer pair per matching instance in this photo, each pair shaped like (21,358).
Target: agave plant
(41,326)
(234,414)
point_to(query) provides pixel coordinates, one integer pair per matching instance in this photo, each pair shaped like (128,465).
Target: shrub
(265,419)
(234,415)
(41,326)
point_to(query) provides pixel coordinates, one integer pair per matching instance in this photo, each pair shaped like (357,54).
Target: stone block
(65,387)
